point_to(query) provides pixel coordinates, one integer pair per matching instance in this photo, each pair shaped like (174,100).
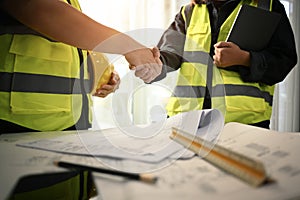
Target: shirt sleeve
(171,46)
(273,64)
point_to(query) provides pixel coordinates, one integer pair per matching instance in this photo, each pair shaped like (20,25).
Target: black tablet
(253,28)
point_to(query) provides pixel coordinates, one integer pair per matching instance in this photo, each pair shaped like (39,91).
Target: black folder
(253,28)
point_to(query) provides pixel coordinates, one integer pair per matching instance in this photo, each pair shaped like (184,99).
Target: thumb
(156,52)
(132,67)
(222,44)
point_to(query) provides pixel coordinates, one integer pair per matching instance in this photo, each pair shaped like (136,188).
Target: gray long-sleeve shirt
(269,66)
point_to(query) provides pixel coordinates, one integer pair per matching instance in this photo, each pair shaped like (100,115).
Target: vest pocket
(38,103)
(245,103)
(37,64)
(37,55)
(197,37)
(246,110)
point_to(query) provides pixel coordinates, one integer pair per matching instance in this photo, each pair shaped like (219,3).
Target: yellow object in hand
(102,70)
(105,76)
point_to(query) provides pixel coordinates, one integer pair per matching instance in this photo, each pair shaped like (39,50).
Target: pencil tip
(148,178)
(55,163)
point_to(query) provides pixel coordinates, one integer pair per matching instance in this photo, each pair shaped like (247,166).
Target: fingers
(144,72)
(228,54)
(217,56)
(222,44)
(159,64)
(219,52)
(149,71)
(156,52)
(104,91)
(217,61)
(110,87)
(145,62)
(131,67)
(114,79)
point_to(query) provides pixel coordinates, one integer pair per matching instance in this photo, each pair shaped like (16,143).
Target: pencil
(148,178)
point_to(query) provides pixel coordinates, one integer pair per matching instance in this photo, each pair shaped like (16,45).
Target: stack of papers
(150,143)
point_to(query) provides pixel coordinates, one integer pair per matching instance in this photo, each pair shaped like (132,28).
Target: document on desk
(149,143)
(197,178)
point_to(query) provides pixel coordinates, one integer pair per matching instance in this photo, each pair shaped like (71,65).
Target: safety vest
(73,185)
(241,101)
(42,81)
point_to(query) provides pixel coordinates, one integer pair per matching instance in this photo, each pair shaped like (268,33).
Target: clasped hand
(229,54)
(145,62)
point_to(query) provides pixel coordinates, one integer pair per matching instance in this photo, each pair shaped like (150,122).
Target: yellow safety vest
(41,81)
(73,185)
(243,102)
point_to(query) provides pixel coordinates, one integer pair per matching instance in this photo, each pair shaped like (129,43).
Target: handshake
(144,61)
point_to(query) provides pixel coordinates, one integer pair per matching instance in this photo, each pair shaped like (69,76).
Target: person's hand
(143,73)
(229,54)
(146,63)
(156,54)
(110,87)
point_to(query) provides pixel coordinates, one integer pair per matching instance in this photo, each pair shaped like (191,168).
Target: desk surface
(180,179)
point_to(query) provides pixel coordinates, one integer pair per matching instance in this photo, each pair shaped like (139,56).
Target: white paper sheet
(197,179)
(149,143)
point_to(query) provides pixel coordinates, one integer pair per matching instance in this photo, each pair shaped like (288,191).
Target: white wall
(145,20)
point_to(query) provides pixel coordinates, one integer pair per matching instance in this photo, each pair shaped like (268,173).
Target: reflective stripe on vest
(218,91)
(245,102)
(50,84)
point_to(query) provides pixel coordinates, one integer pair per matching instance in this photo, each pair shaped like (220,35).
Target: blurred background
(138,103)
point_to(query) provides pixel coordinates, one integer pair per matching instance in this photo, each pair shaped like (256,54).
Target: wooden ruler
(247,169)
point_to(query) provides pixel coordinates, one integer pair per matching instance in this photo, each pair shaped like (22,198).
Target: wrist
(245,58)
(133,54)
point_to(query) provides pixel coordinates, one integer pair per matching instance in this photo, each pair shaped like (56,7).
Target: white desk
(183,179)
